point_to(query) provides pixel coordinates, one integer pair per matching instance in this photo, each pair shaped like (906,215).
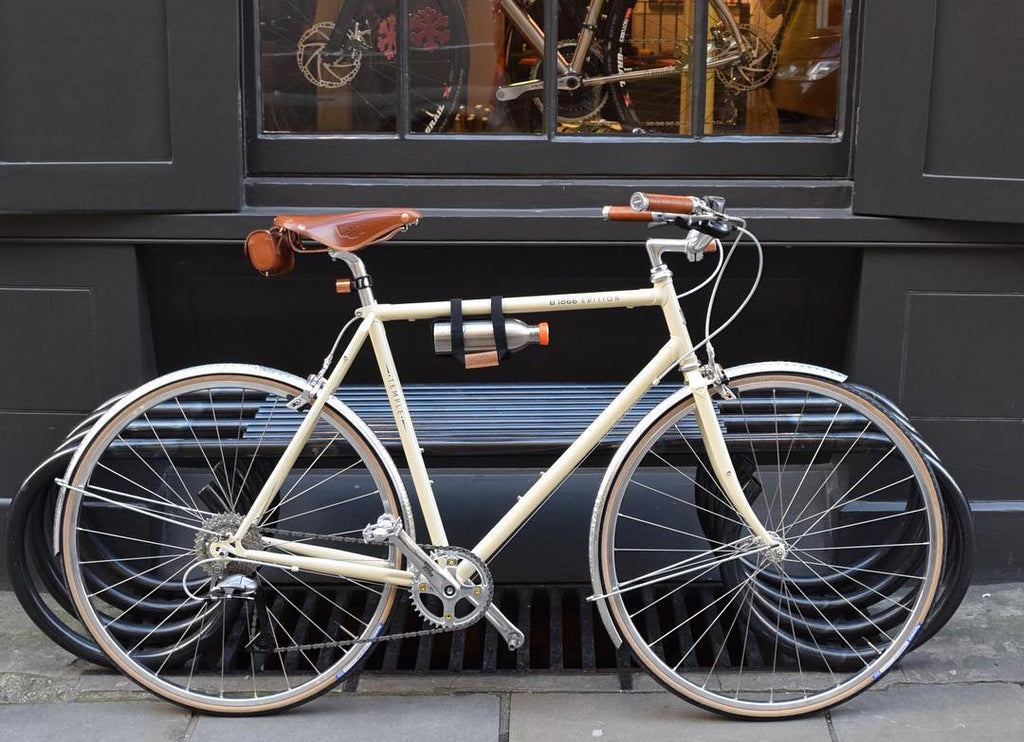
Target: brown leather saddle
(352,231)
(272,251)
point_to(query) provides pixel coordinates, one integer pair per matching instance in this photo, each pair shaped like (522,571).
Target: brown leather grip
(662,202)
(626,214)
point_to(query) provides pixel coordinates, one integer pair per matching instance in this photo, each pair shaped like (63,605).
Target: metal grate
(563,634)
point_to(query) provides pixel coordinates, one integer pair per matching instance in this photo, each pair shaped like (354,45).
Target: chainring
(584,103)
(461,606)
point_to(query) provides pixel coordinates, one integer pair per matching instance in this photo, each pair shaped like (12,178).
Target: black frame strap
(498,328)
(458,337)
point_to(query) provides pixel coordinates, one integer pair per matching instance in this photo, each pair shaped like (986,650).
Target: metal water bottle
(479,336)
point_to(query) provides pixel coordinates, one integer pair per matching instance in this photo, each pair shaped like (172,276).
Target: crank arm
(533,87)
(508,630)
(518,89)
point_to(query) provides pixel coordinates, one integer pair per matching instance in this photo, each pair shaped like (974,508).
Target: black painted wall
(91,302)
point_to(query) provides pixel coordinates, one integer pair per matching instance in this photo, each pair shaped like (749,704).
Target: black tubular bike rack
(509,421)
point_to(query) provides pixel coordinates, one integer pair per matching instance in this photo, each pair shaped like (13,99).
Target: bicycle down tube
(677,351)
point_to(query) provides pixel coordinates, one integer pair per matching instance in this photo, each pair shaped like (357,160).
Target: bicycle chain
(341,643)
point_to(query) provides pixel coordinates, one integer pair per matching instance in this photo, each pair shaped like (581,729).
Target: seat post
(359,275)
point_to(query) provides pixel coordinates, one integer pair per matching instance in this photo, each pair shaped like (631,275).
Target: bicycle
(809,510)
(641,71)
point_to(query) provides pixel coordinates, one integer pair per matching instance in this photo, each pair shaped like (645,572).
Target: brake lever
(716,228)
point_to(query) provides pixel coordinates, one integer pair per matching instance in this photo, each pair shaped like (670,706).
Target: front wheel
(741,630)
(176,465)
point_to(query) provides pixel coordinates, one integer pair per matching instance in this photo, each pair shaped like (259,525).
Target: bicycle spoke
(163,448)
(220,445)
(191,513)
(694,481)
(810,464)
(138,574)
(691,504)
(825,480)
(674,530)
(135,544)
(194,509)
(224,497)
(134,509)
(775,632)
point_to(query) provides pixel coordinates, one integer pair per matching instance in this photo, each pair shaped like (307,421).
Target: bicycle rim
(710,613)
(168,468)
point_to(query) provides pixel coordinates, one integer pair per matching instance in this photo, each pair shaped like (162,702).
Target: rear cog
(453,607)
(221,527)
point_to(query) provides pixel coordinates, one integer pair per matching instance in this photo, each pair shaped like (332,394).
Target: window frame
(548,154)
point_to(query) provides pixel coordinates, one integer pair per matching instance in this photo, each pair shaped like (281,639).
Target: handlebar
(627,214)
(656,207)
(704,217)
(640,201)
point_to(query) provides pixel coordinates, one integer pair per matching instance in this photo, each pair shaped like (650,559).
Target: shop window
(767,67)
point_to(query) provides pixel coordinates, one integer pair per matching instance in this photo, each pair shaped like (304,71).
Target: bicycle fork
(721,462)
(707,419)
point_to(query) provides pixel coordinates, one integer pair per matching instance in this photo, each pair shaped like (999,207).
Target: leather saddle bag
(271,251)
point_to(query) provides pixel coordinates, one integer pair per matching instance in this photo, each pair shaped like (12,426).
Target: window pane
(782,76)
(327,66)
(643,47)
(460,53)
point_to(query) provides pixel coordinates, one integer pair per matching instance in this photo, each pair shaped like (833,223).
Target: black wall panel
(122,105)
(208,305)
(940,109)
(939,330)
(74,332)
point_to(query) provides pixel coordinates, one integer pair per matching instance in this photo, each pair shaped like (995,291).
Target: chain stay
(347,642)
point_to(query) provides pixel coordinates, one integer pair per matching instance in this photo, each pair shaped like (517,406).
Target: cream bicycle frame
(677,351)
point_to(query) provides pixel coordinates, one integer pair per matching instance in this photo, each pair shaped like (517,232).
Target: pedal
(388,529)
(383,531)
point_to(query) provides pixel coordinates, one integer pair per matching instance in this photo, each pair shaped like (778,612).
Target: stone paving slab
(973,712)
(471,718)
(109,722)
(984,641)
(650,717)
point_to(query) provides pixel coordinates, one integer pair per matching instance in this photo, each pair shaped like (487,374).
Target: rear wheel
(177,464)
(723,622)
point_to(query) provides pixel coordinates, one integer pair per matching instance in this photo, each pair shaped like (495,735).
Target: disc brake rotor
(756,66)
(330,70)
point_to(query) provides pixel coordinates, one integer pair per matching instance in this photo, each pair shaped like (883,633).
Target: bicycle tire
(28,510)
(210,691)
(612,570)
(33,568)
(958,565)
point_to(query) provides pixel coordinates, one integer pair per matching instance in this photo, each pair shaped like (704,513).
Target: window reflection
(476,67)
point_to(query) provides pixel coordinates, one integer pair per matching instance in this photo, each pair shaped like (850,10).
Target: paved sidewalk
(966,684)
